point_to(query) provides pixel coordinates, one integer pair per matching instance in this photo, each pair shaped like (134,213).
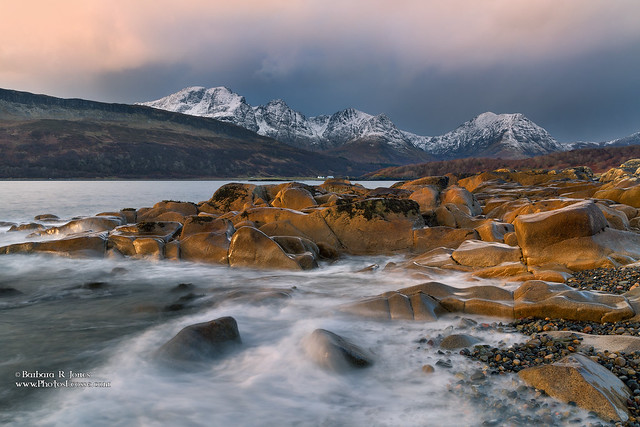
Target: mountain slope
(277,120)
(47,137)
(508,136)
(489,134)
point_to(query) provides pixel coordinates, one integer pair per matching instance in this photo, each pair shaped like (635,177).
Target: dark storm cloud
(570,66)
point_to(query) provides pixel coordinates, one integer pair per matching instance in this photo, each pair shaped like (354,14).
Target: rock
(122,238)
(209,247)
(252,248)
(506,269)
(149,247)
(615,218)
(462,198)
(601,343)
(234,197)
(206,224)
(427,198)
(398,306)
(456,341)
(343,186)
(335,353)
(294,198)
(426,239)
(556,300)
(90,224)
(85,244)
(46,217)
(577,378)
(492,231)
(477,253)
(202,341)
(27,227)
(539,231)
(7,292)
(437,182)
(374,226)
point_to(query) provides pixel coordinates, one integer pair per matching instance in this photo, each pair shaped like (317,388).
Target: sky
(571,66)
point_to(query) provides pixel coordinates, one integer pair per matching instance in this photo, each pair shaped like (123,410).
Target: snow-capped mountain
(487,135)
(492,135)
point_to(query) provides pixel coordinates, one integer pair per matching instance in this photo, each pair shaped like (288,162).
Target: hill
(598,159)
(48,137)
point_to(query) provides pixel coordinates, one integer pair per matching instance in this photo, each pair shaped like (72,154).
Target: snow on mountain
(219,103)
(489,134)
(492,135)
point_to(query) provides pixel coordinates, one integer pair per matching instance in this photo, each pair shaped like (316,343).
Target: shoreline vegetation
(551,254)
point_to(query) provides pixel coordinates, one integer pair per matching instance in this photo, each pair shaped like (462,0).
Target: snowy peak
(488,134)
(493,135)
(220,103)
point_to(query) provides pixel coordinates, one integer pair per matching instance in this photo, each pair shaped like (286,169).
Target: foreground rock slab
(577,378)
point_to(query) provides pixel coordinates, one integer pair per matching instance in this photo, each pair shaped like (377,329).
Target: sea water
(77,336)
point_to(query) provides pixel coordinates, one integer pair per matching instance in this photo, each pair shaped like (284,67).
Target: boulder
(492,231)
(81,245)
(122,238)
(202,341)
(149,247)
(615,218)
(462,198)
(335,353)
(457,341)
(374,226)
(234,197)
(427,198)
(294,198)
(343,186)
(577,378)
(477,253)
(437,182)
(252,248)
(535,232)
(206,224)
(428,238)
(209,247)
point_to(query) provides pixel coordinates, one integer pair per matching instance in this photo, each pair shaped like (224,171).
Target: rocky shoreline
(554,254)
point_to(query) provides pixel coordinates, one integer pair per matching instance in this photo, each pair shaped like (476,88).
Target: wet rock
(542,299)
(46,217)
(294,198)
(462,198)
(90,224)
(426,239)
(83,245)
(413,305)
(492,231)
(206,224)
(8,292)
(209,247)
(374,226)
(427,198)
(577,378)
(335,353)
(457,341)
(202,341)
(27,227)
(234,197)
(477,253)
(252,248)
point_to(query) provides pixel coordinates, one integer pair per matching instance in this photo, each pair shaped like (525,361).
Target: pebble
(613,280)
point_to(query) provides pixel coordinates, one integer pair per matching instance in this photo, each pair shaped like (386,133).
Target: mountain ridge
(488,134)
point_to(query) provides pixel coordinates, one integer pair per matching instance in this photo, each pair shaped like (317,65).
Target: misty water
(103,319)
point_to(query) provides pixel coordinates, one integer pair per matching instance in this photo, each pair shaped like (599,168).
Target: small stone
(428,369)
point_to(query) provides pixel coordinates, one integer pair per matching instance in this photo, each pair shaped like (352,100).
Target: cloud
(362,53)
